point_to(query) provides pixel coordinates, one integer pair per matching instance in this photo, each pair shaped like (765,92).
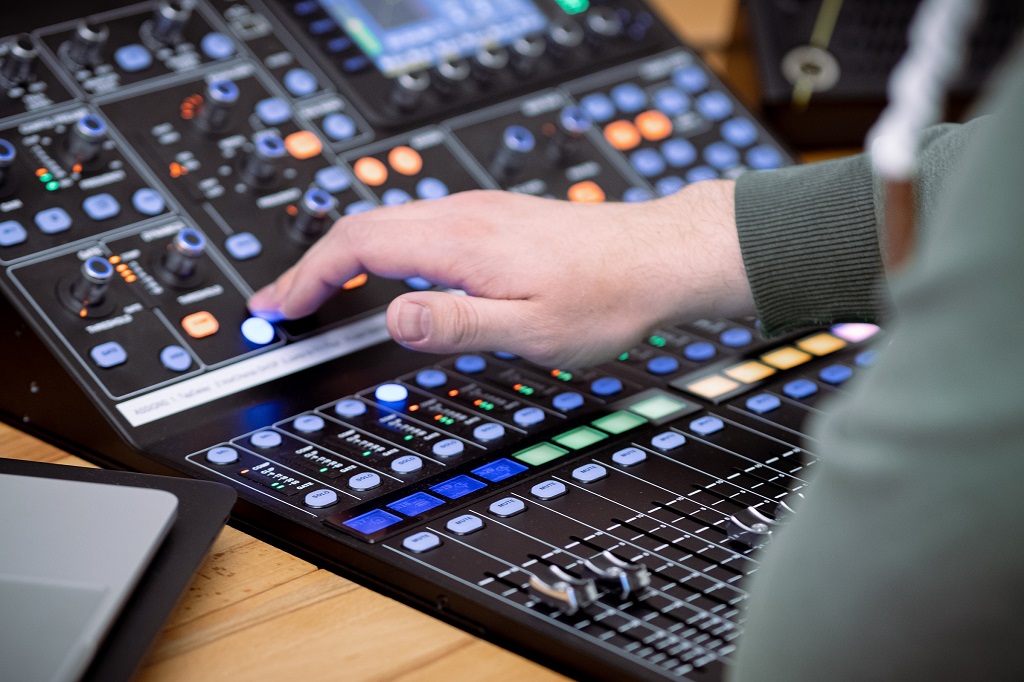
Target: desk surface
(255,612)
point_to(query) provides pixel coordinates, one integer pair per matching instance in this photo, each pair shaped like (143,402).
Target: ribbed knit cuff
(810,244)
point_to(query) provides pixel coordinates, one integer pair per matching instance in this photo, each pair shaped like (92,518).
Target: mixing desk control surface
(162,160)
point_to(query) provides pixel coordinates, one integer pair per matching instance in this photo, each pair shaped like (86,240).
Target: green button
(658,406)
(619,422)
(577,439)
(542,453)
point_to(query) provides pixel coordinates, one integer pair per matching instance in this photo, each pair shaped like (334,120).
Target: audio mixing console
(161,160)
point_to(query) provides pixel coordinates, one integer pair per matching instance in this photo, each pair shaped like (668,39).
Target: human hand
(558,283)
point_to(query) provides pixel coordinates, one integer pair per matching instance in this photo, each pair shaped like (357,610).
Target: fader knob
(750,527)
(408,90)
(218,103)
(262,162)
(450,74)
(20,62)
(489,62)
(620,578)
(564,37)
(526,53)
(572,125)
(169,19)
(85,139)
(561,591)
(513,151)
(89,290)
(602,24)
(183,254)
(8,153)
(87,43)
(314,216)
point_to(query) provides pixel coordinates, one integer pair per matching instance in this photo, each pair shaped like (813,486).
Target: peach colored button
(371,171)
(654,125)
(586,192)
(355,282)
(303,145)
(622,135)
(198,325)
(405,160)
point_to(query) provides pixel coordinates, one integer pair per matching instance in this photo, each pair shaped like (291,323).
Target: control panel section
(26,82)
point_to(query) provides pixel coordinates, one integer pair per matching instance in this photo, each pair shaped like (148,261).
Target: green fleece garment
(905,559)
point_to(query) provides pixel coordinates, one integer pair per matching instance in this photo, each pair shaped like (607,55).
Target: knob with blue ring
(470,364)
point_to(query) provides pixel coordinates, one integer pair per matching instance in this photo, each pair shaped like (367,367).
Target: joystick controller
(513,151)
(261,164)
(19,65)
(87,43)
(314,215)
(181,260)
(85,140)
(218,102)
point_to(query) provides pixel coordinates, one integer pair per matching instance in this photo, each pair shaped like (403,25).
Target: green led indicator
(564,376)
(409,437)
(486,406)
(363,37)
(367,452)
(657,341)
(323,470)
(525,390)
(52,185)
(624,357)
(46,177)
(573,6)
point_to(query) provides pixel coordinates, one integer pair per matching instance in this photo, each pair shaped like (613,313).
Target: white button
(222,455)
(627,457)
(485,433)
(465,524)
(669,440)
(588,473)
(406,464)
(391,393)
(548,490)
(509,506)
(318,499)
(364,481)
(421,542)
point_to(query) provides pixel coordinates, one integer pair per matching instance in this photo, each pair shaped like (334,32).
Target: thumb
(439,322)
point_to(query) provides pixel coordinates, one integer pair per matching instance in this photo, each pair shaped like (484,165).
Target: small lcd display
(407,35)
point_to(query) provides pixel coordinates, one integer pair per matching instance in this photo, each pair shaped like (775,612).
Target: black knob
(262,162)
(603,24)
(314,215)
(564,37)
(526,53)
(218,103)
(572,125)
(87,43)
(513,151)
(408,90)
(183,254)
(85,139)
(489,62)
(169,20)
(8,153)
(561,591)
(89,290)
(19,65)
(619,578)
(450,74)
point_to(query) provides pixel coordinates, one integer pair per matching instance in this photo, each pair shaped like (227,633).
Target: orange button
(586,192)
(405,160)
(200,324)
(303,144)
(654,125)
(355,282)
(622,135)
(371,171)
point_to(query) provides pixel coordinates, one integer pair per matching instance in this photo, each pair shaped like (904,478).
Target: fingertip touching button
(470,364)
(350,408)
(391,393)
(258,331)
(606,386)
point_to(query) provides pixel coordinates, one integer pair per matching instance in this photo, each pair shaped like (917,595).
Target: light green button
(542,453)
(658,406)
(577,439)
(619,422)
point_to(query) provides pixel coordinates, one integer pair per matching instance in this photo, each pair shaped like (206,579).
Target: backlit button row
(111,354)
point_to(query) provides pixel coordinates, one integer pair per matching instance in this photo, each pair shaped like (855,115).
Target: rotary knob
(87,43)
(571,127)
(314,215)
(8,153)
(219,101)
(514,149)
(525,54)
(89,290)
(408,90)
(602,24)
(450,75)
(561,591)
(619,578)
(564,37)
(489,62)
(19,65)
(182,257)
(85,139)
(169,19)
(262,162)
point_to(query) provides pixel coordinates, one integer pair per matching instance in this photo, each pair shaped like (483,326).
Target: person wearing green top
(905,560)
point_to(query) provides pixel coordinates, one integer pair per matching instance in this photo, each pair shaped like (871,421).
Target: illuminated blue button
(431,188)
(338,44)
(319,499)
(866,358)
(109,354)
(835,374)
(449,447)
(359,207)
(499,470)
(148,201)
(217,46)
(431,378)
(418,283)
(305,8)
(470,364)
(714,105)
(662,364)
(395,197)
(309,423)
(668,440)
(266,439)
(101,207)
(321,26)
(627,457)
(648,162)
(721,155)
(629,98)
(367,480)
(528,416)
(339,127)
(599,107)
(258,331)
(679,153)
(53,220)
(355,64)
(391,393)
(636,195)
(12,232)
(690,78)
(763,157)
(273,111)
(222,455)
(606,386)
(509,506)
(465,524)
(424,541)
(485,433)
(671,101)
(707,425)
(736,337)
(457,487)
(548,490)
(800,388)
(243,246)
(588,473)
(700,174)
(568,401)
(763,402)
(175,358)
(740,132)
(406,464)
(505,355)
(350,408)
(372,521)
(699,351)
(332,179)
(416,504)
(132,58)
(300,82)
(669,185)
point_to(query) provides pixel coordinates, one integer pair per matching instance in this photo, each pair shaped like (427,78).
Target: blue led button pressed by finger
(273,111)
(599,107)
(11,233)
(449,447)
(109,354)
(637,195)
(217,46)
(568,401)
(300,82)
(431,378)
(528,416)
(835,374)
(707,425)
(258,331)
(736,337)
(700,174)
(309,423)
(668,440)
(628,457)
(763,403)
(395,197)
(470,364)
(266,439)
(406,464)
(339,127)
(800,388)
(359,207)
(175,358)
(669,185)
(133,58)
(424,541)
(699,351)
(418,283)
(662,364)
(350,408)
(243,246)
(690,78)
(53,220)
(714,105)
(486,433)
